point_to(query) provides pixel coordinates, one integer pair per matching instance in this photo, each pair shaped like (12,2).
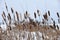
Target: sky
(31,6)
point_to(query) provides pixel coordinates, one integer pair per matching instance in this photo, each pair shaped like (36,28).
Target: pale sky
(31,5)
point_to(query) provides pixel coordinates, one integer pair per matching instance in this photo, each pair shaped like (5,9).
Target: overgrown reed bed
(28,30)
(32,30)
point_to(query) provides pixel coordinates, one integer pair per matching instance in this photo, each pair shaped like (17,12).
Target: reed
(12,10)
(26,15)
(6,6)
(45,16)
(9,18)
(57,27)
(49,13)
(17,15)
(54,25)
(57,14)
(38,12)
(21,16)
(35,15)
(0,33)
(4,16)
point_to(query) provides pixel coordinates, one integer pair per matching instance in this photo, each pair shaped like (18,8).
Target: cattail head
(17,15)
(26,12)
(34,14)
(4,16)
(9,16)
(26,15)
(6,6)
(57,14)
(38,12)
(12,10)
(54,24)
(49,13)
(45,16)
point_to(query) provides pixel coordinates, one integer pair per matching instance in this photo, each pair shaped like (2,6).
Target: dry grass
(21,30)
(47,32)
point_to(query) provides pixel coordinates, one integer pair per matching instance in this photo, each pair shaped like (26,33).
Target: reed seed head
(6,6)
(9,16)
(34,14)
(4,16)
(38,12)
(17,15)
(45,16)
(57,14)
(12,10)
(49,13)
